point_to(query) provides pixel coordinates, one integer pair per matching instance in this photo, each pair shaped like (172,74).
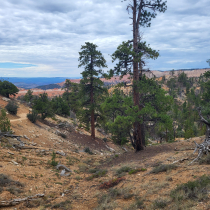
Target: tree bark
(92,120)
(137,134)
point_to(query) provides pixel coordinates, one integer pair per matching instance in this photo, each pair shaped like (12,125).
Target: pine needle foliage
(4,122)
(92,90)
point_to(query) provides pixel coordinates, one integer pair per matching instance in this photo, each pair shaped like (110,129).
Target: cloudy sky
(43,38)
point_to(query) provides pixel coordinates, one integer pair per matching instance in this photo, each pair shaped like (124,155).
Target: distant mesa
(55,89)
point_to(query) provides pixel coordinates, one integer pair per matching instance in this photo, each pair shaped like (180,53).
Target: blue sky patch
(9,65)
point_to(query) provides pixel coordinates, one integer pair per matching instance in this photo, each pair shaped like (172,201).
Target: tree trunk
(166,135)
(92,120)
(137,134)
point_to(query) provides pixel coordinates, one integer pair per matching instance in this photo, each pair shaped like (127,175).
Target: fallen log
(19,200)
(60,153)
(109,148)
(181,160)
(60,166)
(203,148)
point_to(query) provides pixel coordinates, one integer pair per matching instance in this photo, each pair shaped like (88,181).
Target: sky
(43,38)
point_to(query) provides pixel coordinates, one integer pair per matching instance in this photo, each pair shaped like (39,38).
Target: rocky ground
(134,180)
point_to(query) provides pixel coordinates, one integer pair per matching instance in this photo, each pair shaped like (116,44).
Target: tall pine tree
(92,89)
(142,13)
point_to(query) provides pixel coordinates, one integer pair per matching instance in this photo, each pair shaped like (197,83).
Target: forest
(169,106)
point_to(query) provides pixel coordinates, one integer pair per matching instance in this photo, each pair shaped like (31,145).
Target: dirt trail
(22,116)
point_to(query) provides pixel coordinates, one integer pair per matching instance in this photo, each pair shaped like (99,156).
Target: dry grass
(163,168)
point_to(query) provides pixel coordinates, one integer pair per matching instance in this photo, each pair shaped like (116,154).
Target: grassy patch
(121,171)
(205,160)
(163,168)
(194,190)
(78,178)
(96,173)
(14,187)
(65,205)
(14,190)
(160,204)
(134,171)
(106,201)
(111,183)
(6,181)
(82,167)
(138,204)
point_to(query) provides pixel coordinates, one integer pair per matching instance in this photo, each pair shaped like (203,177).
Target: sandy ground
(34,171)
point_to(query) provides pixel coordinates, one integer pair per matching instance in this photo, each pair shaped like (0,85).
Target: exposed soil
(33,168)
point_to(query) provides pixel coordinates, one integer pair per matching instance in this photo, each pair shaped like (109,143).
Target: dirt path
(152,151)
(22,116)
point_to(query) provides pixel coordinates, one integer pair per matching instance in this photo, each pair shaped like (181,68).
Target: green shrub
(87,150)
(138,204)
(14,190)
(53,162)
(12,107)
(104,139)
(97,173)
(194,190)
(4,122)
(43,106)
(163,168)
(28,96)
(32,116)
(123,169)
(63,135)
(6,181)
(160,204)
(205,160)
(134,171)
(7,88)
(64,205)
(60,106)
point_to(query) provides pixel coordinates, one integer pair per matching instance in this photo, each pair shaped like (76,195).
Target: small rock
(26,137)
(14,162)
(5,99)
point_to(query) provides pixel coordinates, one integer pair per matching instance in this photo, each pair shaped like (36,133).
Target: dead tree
(204,147)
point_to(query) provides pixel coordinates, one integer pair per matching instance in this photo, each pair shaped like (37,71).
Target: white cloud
(49,34)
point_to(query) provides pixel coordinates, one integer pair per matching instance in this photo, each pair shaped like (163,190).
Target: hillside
(116,79)
(56,89)
(28,171)
(50,86)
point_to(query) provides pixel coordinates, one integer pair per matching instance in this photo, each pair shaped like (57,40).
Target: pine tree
(43,106)
(29,96)
(121,112)
(71,95)
(92,89)
(7,88)
(131,57)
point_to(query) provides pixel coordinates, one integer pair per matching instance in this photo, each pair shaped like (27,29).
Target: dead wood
(60,153)
(19,200)
(109,148)
(184,149)
(60,166)
(181,160)
(204,147)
